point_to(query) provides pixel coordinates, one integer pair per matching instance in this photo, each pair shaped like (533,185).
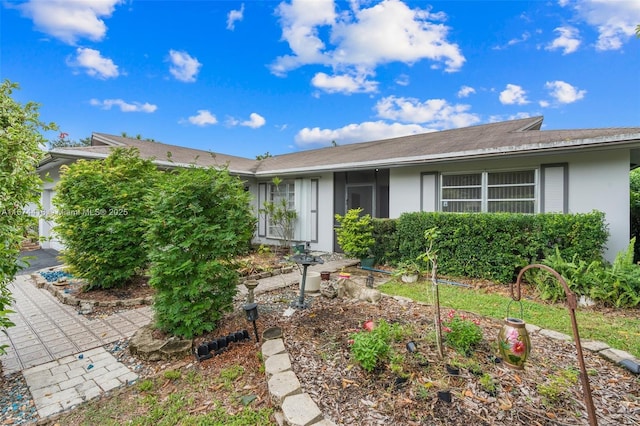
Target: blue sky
(244,78)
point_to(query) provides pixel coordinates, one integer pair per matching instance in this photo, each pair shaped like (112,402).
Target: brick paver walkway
(47,330)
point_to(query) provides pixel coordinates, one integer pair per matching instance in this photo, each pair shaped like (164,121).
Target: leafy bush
(355,233)
(20,142)
(101,216)
(616,285)
(201,220)
(496,245)
(580,276)
(619,285)
(461,333)
(371,347)
(385,248)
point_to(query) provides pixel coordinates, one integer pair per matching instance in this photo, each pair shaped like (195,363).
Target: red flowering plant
(461,333)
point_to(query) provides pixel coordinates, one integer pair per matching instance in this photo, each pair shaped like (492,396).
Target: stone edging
(616,356)
(68,299)
(267,274)
(298,409)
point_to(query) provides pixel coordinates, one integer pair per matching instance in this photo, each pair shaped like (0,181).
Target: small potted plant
(409,271)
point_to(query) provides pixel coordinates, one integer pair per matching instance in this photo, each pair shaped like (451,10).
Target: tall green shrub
(496,245)
(20,143)
(201,220)
(385,249)
(101,216)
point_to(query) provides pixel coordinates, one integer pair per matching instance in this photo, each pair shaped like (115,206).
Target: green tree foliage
(201,220)
(63,141)
(263,156)
(20,143)
(101,216)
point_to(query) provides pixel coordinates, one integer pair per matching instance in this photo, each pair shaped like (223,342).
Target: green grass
(618,331)
(184,405)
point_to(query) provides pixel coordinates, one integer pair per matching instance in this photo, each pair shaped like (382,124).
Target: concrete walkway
(60,353)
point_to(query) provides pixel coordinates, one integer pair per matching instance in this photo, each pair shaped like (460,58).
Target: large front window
(509,192)
(282,197)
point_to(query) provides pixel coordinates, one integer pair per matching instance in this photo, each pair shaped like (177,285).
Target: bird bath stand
(305,259)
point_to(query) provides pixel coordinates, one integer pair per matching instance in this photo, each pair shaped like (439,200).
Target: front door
(361,196)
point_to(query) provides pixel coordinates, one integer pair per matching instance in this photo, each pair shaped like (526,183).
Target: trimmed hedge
(491,245)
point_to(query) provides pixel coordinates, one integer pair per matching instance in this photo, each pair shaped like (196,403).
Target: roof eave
(530,149)
(74,154)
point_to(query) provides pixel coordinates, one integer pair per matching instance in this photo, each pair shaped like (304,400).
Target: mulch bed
(318,341)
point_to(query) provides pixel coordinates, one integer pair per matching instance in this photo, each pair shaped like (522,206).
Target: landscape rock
(145,346)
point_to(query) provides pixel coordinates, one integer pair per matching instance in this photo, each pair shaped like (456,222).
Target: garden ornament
(251,310)
(305,259)
(513,339)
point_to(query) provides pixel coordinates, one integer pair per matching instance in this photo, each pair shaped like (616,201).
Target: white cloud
(563,92)
(94,63)
(203,118)
(183,66)
(344,83)
(615,21)
(70,20)
(390,31)
(465,91)
(525,36)
(356,41)
(568,40)
(402,80)
(544,103)
(438,113)
(255,121)
(367,131)
(233,16)
(516,116)
(513,94)
(124,106)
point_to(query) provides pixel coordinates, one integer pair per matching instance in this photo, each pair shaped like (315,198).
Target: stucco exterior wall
(600,181)
(596,181)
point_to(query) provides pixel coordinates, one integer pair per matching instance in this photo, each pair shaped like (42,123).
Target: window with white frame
(505,191)
(280,195)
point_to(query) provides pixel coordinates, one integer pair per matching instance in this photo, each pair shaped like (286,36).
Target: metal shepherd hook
(572,304)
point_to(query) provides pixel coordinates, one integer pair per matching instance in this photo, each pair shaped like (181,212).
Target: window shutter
(429,194)
(554,182)
(262,218)
(314,210)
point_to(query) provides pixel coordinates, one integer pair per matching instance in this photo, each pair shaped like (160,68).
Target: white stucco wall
(599,181)
(596,181)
